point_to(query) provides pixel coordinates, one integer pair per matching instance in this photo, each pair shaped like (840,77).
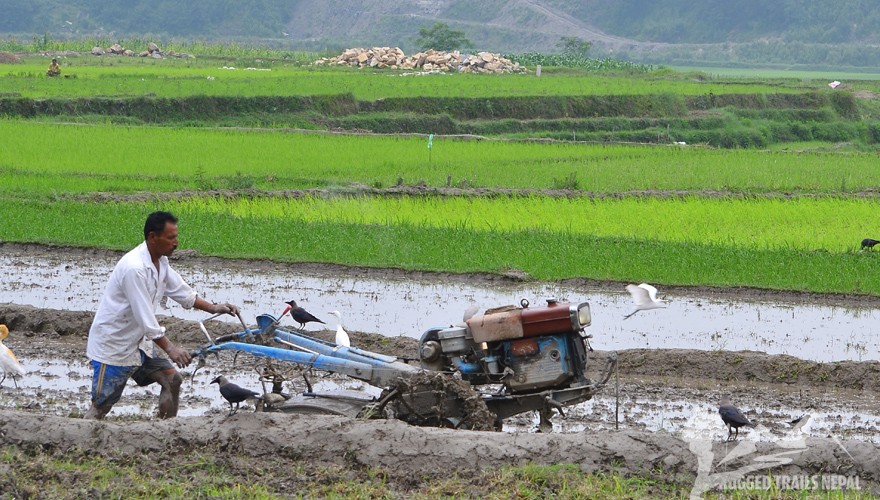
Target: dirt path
(456,192)
(404,451)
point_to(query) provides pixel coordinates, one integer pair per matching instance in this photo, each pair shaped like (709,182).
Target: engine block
(538,363)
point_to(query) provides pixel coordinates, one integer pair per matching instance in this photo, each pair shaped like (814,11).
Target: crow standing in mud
(732,417)
(233,393)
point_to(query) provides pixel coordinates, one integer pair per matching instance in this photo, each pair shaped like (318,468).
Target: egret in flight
(644,298)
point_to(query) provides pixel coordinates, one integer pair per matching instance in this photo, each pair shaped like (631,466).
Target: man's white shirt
(126,317)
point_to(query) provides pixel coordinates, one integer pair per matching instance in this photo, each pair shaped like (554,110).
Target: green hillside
(719,21)
(217,18)
(802,33)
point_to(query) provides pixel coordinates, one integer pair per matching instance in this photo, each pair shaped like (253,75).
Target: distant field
(50,159)
(764,73)
(91,76)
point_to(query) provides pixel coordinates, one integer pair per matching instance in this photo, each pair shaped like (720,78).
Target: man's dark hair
(156,222)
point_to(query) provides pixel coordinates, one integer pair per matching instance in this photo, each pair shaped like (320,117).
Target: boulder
(98,51)
(152,47)
(116,49)
(431,60)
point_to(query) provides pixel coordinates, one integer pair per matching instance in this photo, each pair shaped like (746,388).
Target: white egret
(8,362)
(802,424)
(341,335)
(645,298)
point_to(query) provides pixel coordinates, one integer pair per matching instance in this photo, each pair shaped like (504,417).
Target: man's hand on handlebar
(225,308)
(180,357)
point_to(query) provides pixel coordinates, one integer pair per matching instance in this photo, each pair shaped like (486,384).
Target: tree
(574,46)
(441,37)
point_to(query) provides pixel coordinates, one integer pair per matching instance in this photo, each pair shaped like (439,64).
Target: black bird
(869,243)
(233,393)
(302,316)
(732,417)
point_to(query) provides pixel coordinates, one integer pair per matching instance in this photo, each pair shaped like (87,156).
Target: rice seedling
(465,242)
(803,224)
(132,77)
(49,160)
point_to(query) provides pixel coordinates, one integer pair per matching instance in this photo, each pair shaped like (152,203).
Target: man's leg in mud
(169,397)
(108,382)
(97,412)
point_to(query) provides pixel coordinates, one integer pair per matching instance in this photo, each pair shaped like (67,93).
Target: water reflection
(407,307)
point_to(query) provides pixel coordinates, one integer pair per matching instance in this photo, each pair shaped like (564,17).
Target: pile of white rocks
(153,51)
(430,60)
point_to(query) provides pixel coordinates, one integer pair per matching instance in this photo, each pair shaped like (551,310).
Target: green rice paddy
(664,214)
(50,160)
(545,253)
(90,76)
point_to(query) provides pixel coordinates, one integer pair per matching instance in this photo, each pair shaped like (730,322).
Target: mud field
(659,421)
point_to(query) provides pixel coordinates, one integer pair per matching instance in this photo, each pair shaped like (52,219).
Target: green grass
(202,48)
(81,475)
(799,243)
(542,253)
(185,473)
(189,474)
(757,223)
(52,160)
(752,74)
(91,76)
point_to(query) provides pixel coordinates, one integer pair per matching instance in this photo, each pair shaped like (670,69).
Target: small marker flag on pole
(430,144)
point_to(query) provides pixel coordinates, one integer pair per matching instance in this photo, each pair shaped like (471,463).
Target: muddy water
(685,415)
(407,307)
(62,388)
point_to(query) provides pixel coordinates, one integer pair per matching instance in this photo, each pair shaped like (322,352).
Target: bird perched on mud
(732,417)
(302,316)
(341,335)
(8,362)
(869,243)
(234,393)
(644,298)
(802,424)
